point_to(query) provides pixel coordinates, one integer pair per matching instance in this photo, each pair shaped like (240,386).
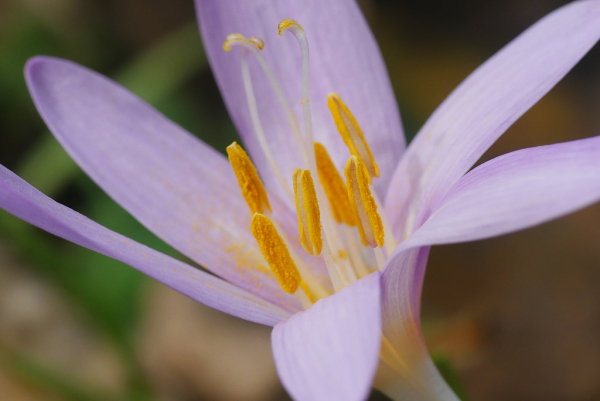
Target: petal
(484,106)
(407,371)
(330,352)
(344,58)
(175,185)
(515,191)
(508,193)
(24,201)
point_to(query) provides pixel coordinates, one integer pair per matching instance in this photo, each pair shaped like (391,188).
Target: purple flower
(367,333)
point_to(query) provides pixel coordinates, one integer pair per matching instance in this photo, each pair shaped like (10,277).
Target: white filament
(258,128)
(346,272)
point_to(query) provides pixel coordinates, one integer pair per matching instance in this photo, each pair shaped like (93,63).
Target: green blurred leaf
(47,379)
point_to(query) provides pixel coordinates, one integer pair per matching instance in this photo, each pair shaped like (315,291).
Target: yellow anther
(276,253)
(253,190)
(351,133)
(335,190)
(234,39)
(287,24)
(363,205)
(309,217)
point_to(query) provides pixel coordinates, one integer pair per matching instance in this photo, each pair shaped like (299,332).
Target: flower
(187,194)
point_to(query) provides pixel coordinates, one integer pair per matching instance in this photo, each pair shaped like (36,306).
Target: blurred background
(516,317)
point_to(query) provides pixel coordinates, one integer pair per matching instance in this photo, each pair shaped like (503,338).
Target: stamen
(335,190)
(276,253)
(309,217)
(252,188)
(351,133)
(370,226)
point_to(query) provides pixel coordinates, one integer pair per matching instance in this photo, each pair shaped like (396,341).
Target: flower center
(342,223)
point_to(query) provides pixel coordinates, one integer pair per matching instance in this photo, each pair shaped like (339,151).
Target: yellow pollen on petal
(239,39)
(363,205)
(309,215)
(287,24)
(252,188)
(307,291)
(276,253)
(335,190)
(351,133)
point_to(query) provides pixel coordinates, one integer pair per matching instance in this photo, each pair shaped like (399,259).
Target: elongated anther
(276,253)
(334,186)
(351,133)
(363,205)
(237,39)
(252,188)
(309,216)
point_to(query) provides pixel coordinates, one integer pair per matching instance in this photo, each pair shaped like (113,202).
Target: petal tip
(35,63)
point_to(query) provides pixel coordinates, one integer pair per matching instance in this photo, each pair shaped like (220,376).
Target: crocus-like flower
(346,315)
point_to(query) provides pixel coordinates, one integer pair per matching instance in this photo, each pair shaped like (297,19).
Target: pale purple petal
(509,193)
(344,58)
(401,286)
(515,191)
(24,201)
(484,106)
(179,188)
(330,352)
(407,372)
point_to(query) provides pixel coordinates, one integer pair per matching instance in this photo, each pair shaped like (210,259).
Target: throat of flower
(335,219)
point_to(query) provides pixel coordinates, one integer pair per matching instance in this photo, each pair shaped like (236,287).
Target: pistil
(252,45)
(258,129)
(342,265)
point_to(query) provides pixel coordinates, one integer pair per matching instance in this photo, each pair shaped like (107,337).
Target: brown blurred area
(517,316)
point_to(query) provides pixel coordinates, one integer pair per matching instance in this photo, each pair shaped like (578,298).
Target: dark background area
(516,317)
